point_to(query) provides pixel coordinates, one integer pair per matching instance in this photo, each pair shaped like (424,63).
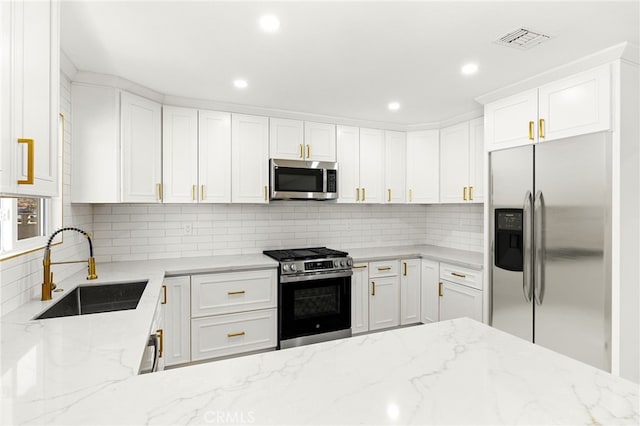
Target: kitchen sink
(96,298)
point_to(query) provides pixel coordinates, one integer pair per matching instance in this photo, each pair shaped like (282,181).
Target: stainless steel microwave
(303,180)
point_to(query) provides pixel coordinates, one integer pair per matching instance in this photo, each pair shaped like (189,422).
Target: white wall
(20,277)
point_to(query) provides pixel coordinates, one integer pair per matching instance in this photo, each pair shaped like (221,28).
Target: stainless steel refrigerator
(550,227)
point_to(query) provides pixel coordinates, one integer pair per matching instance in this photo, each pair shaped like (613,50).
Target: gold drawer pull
(455,274)
(373,288)
(265,192)
(301,151)
(464,193)
(471,193)
(405,268)
(164,295)
(357,194)
(388,195)
(160,333)
(440,289)
(531,130)
(410,196)
(159,191)
(364,194)
(385,268)
(231,293)
(541,129)
(359,267)
(202,192)
(30,159)
(193,192)
(235,334)
(308,151)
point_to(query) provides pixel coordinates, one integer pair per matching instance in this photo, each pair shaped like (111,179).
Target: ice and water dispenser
(508,239)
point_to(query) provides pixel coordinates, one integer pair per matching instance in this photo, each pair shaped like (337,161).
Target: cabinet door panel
(286,139)
(423,167)
(384,303)
(410,291)
(507,120)
(141,148)
(371,165)
(454,163)
(460,301)
(179,155)
(177,321)
(429,295)
(348,155)
(476,160)
(395,166)
(320,141)
(214,157)
(576,105)
(360,299)
(249,159)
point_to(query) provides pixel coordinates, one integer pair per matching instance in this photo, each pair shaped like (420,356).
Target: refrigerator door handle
(538,229)
(527,273)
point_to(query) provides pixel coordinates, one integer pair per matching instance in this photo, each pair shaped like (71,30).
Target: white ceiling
(346,59)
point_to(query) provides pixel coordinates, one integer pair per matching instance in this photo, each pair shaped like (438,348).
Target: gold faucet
(48,285)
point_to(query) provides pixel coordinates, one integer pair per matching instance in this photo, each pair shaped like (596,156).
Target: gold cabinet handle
(231,293)
(405,268)
(464,193)
(301,151)
(265,192)
(202,192)
(308,151)
(389,195)
(164,295)
(410,196)
(193,192)
(363,195)
(159,191)
(359,267)
(541,128)
(235,334)
(440,289)
(471,193)
(531,130)
(384,268)
(373,288)
(30,156)
(455,274)
(357,194)
(160,333)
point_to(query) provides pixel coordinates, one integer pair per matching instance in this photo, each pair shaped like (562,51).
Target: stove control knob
(293,267)
(343,263)
(336,263)
(285,267)
(349,262)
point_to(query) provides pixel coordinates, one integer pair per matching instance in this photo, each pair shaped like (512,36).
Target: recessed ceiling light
(269,23)
(393,106)
(240,84)
(469,69)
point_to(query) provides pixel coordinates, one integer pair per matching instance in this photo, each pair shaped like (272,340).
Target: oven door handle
(314,277)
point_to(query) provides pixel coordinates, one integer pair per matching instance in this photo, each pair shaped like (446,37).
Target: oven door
(314,304)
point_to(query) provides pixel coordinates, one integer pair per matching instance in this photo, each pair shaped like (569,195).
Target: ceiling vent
(522,38)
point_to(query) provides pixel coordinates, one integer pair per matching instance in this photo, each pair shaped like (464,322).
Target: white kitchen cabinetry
(214,156)
(29,82)
(179,155)
(395,166)
(233,312)
(384,300)
(348,154)
(249,159)
(297,140)
(460,293)
(371,166)
(572,106)
(429,292)
(360,298)
(461,163)
(423,167)
(176,302)
(410,291)
(141,149)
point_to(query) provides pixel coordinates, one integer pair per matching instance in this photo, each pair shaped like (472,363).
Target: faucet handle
(53,285)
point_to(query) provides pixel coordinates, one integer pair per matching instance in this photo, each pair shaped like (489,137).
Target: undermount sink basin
(92,299)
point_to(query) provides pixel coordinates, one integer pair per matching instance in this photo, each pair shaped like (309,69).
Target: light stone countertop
(468,259)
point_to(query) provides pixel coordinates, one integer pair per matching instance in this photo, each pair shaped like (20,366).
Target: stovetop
(304,254)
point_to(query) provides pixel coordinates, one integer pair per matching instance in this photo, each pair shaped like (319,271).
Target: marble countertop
(452,372)
(469,259)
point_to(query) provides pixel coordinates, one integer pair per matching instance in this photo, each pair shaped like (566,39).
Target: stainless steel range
(314,295)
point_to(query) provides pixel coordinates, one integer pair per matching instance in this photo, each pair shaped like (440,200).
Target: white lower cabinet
(177,307)
(360,298)
(384,299)
(429,291)
(222,335)
(410,291)
(458,301)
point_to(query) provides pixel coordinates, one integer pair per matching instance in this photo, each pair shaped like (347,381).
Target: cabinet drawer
(458,274)
(383,269)
(224,293)
(232,334)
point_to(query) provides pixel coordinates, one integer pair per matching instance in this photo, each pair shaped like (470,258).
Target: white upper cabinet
(298,140)
(320,141)
(249,159)
(423,166)
(141,149)
(572,106)
(371,165)
(286,139)
(179,155)
(576,105)
(462,162)
(29,77)
(348,155)
(395,165)
(214,156)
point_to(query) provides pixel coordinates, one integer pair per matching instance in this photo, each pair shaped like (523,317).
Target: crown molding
(119,83)
(66,66)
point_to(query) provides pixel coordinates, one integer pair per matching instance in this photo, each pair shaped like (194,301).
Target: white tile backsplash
(458,226)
